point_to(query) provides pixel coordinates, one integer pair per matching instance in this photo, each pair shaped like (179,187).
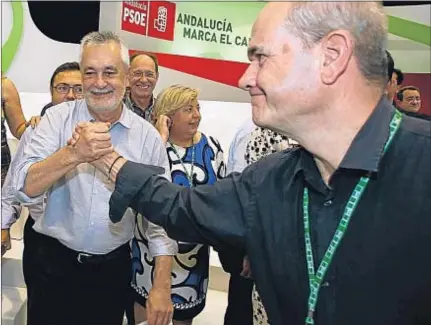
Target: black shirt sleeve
(208,214)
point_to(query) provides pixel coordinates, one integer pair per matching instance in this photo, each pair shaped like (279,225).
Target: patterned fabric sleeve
(219,161)
(265,142)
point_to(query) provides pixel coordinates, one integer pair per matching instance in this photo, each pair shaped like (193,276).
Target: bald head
(304,54)
(143,76)
(366,22)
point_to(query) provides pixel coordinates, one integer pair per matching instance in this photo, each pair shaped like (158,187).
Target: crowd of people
(308,215)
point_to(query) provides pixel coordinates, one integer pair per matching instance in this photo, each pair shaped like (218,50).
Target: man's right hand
(5,241)
(91,141)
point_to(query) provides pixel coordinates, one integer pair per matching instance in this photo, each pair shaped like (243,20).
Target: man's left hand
(159,307)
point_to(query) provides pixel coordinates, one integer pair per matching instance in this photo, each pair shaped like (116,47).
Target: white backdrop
(219,119)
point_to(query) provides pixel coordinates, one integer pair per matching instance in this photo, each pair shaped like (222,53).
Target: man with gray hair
(337,231)
(80,261)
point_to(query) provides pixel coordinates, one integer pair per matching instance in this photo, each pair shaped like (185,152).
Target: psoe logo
(134,17)
(151,18)
(161,20)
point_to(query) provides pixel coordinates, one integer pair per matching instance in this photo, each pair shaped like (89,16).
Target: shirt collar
(135,108)
(126,118)
(367,147)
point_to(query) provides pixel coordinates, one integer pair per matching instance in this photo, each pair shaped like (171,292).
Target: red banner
(135,17)
(161,23)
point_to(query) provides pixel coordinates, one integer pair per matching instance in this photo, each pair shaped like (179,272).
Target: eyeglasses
(412,99)
(138,74)
(64,89)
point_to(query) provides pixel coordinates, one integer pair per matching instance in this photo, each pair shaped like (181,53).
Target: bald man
(142,78)
(338,230)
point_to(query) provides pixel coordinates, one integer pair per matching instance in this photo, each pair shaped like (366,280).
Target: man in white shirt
(65,85)
(80,260)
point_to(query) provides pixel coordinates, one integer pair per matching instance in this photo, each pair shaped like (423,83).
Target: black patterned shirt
(145,114)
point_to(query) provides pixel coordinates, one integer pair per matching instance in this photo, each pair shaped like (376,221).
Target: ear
(337,49)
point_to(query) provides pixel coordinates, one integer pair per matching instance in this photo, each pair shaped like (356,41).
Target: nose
(70,94)
(143,79)
(100,81)
(248,79)
(196,114)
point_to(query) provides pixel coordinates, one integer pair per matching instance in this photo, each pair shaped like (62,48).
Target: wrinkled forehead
(69,77)
(411,93)
(143,62)
(100,55)
(268,30)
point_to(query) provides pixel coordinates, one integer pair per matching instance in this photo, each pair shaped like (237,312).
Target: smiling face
(185,121)
(104,76)
(283,76)
(411,101)
(142,77)
(67,86)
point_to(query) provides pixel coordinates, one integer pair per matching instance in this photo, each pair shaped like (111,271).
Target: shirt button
(328,203)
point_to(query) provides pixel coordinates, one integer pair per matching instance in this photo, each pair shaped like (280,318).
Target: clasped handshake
(91,141)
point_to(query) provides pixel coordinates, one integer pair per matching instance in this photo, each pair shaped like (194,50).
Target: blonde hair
(172,99)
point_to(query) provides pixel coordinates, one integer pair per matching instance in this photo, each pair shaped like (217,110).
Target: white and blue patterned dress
(191,265)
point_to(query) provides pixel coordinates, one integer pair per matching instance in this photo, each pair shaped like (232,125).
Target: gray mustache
(101,91)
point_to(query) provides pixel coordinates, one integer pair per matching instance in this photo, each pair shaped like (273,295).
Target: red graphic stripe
(222,71)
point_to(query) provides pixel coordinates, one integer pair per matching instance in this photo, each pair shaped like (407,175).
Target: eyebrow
(68,84)
(109,67)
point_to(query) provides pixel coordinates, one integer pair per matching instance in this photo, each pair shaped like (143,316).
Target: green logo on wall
(10,47)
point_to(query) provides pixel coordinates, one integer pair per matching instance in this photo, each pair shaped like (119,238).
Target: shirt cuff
(9,214)
(163,247)
(19,187)
(130,180)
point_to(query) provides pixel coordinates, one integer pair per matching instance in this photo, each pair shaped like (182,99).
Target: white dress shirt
(236,160)
(10,206)
(76,211)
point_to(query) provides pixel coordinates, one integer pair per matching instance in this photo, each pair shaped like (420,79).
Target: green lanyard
(189,176)
(315,279)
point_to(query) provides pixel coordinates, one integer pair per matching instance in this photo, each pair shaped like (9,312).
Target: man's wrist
(115,167)
(162,278)
(73,156)
(110,165)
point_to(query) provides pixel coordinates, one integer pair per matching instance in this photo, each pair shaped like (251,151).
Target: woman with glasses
(195,159)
